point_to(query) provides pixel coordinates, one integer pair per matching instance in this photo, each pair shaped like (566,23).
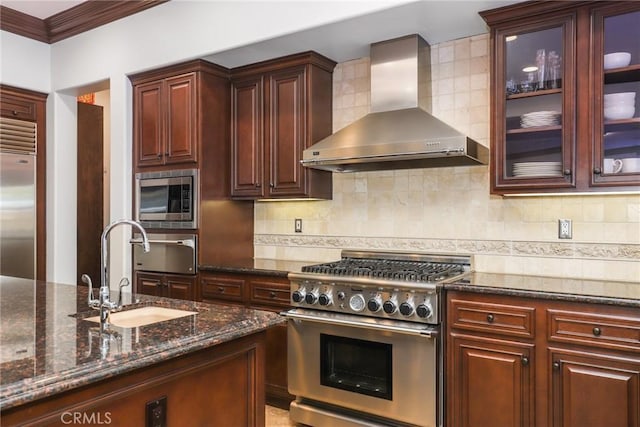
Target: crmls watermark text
(86,418)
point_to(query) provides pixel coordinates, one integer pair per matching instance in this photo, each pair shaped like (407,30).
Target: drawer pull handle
(525,361)
(221,289)
(272,294)
(14,112)
(556,366)
(490,318)
(597,332)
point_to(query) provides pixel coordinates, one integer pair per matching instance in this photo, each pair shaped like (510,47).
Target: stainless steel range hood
(400,132)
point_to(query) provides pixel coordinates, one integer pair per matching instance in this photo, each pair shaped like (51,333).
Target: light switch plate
(298,225)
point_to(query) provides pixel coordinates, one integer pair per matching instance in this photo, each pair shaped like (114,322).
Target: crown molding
(78,19)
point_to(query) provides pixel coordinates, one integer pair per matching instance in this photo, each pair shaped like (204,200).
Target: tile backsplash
(450,209)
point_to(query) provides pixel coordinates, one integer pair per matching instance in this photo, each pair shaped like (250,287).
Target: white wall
(25,63)
(169,33)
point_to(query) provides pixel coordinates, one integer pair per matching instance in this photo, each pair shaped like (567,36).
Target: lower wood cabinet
(262,292)
(513,361)
(166,285)
(594,389)
(496,379)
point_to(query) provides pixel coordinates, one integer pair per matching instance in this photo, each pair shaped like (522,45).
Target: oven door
(375,367)
(170,253)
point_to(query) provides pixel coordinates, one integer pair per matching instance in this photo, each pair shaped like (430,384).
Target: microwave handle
(185,242)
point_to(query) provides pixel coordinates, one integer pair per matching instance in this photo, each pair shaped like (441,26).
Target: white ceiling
(40,8)
(435,20)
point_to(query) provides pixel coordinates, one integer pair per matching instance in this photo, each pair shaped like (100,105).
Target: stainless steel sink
(143,316)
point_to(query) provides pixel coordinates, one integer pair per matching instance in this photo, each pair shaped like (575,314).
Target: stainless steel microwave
(167,199)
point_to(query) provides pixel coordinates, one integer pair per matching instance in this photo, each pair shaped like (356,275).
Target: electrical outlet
(298,225)
(564,229)
(157,413)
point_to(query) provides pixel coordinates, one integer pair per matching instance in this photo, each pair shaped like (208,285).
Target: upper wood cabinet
(180,112)
(279,108)
(165,111)
(554,127)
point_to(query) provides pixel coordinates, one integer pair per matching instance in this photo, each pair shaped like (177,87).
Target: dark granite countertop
(46,347)
(260,266)
(584,290)
(580,290)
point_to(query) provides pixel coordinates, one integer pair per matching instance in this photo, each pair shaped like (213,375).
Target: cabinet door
(490,383)
(149,284)
(616,71)
(534,105)
(591,390)
(247,138)
(180,287)
(148,124)
(286,132)
(18,108)
(181,135)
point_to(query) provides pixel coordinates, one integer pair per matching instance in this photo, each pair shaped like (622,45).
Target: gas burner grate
(411,271)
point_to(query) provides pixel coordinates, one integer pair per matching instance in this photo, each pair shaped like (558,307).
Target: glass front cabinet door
(565,78)
(616,107)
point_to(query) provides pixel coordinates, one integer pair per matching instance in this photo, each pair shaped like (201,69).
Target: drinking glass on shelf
(553,70)
(530,84)
(541,64)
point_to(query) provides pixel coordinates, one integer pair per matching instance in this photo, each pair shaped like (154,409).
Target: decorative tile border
(612,251)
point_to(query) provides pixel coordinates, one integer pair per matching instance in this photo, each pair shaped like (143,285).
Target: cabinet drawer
(17,108)
(606,331)
(222,288)
(494,318)
(270,293)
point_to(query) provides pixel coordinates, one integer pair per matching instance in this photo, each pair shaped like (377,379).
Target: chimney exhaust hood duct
(400,132)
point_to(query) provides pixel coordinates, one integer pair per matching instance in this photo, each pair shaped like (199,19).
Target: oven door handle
(186,242)
(379,325)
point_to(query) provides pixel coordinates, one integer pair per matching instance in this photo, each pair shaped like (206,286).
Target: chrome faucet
(103,302)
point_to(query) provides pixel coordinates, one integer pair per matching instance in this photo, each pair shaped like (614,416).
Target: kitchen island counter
(48,348)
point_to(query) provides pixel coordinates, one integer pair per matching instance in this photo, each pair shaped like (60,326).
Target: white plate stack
(540,118)
(534,169)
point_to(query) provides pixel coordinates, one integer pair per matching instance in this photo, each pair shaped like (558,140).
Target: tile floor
(276,417)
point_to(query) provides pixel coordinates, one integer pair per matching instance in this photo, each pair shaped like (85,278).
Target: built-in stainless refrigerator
(17,199)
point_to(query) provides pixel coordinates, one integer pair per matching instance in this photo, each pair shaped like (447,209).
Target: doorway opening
(93,172)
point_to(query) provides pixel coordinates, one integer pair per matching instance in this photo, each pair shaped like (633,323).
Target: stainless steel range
(363,346)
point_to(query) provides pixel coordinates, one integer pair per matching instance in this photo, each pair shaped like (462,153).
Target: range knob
(298,296)
(424,310)
(356,302)
(389,307)
(311,297)
(325,299)
(406,308)
(374,304)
